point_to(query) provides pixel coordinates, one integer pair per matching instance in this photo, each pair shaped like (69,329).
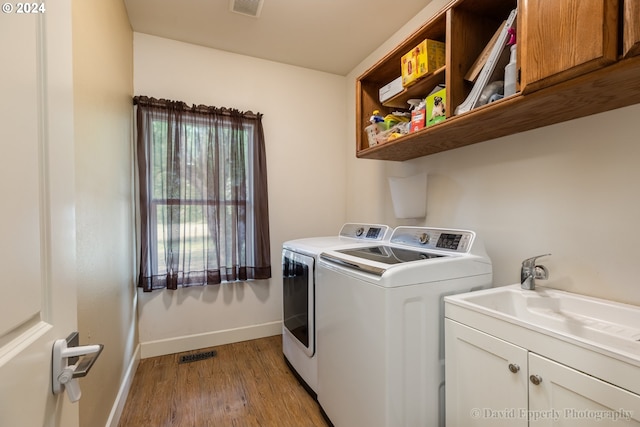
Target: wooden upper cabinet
(562,39)
(570,52)
(631,27)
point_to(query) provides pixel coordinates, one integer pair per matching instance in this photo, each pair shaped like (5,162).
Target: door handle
(67,367)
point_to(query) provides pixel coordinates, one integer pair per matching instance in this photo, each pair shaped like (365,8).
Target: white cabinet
(491,382)
(483,374)
(567,397)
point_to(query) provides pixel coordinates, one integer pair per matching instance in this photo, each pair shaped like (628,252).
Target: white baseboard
(208,339)
(123,392)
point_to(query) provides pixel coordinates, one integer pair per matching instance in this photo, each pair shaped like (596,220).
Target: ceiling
(326,35)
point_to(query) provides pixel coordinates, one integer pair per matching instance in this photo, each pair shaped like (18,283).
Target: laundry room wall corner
(306,175)
(554,189)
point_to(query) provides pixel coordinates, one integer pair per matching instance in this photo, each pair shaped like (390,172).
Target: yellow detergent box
(436,107)
(423,59)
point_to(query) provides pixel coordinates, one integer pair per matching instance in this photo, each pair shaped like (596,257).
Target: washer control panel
(458,241)
(372,232)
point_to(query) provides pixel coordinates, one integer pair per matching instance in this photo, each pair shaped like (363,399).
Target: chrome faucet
(530,272)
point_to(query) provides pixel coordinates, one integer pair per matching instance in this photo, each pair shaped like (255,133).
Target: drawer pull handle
(514,368)
(535,379)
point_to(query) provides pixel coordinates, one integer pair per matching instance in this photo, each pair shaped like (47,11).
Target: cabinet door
(562,39)
(566,397)
(485,379)
(631,26)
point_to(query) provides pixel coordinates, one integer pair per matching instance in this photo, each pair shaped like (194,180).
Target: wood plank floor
(246,384)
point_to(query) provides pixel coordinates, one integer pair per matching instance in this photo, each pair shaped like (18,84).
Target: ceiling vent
(246,7)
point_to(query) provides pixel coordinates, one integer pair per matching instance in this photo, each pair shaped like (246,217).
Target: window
(203,195)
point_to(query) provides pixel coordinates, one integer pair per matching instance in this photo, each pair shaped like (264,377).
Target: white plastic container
(510,74)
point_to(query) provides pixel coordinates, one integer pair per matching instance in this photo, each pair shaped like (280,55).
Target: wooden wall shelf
(576,90)
(606,89)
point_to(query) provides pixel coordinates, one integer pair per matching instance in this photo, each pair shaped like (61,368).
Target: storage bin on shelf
(392,126)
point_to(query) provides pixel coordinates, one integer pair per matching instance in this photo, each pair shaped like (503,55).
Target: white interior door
(37,224)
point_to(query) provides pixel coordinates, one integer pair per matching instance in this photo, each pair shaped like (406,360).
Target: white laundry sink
(596,321)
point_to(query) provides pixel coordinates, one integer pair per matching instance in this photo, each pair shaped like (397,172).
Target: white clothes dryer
(380,325)
(299,287)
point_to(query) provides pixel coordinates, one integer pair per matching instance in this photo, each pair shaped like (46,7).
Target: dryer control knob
(359,231)
(424,238)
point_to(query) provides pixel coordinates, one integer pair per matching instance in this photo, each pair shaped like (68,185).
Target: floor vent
(196,357)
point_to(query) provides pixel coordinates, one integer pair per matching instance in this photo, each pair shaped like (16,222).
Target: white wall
(547,190)
(103,86)
(568,189)
(304,123)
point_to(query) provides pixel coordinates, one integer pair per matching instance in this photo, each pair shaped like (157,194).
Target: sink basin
(601,322)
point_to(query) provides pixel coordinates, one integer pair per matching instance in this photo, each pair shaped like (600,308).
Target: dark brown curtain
(203,195)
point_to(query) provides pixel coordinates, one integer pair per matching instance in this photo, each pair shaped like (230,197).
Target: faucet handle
(540,272)
(531,262)
(530,272)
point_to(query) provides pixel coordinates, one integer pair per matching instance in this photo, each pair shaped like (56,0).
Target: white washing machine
(299,258)
(380,325)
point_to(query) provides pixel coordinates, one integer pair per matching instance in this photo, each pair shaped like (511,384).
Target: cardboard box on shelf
(417,119)
(425,58)
(436,107)
(390,89)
